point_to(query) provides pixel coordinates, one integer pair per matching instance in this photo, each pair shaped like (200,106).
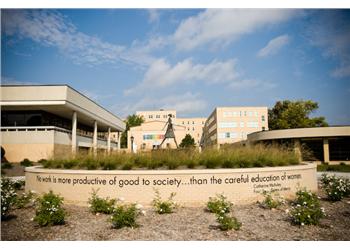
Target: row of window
(232,135)
(153,137)
(240,113)
(159,116)
(235,124)
(188,122)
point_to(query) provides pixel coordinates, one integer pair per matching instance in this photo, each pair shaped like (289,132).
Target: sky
(190,60)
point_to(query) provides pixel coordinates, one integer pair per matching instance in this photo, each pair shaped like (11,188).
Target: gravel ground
(185,224)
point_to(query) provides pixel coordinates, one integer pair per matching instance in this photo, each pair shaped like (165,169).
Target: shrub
(26,162)
(227,222)
(18,184)
(25,200)
(164,207)
(306,209)
(42,161)
(8,196)
(272,200)
(125,216)
(336,188)
(219,204)
(49,211)
(101,205)
(6,165)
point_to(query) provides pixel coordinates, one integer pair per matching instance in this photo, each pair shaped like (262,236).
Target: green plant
(6,165)
(49,211)
(126,215)
(227,222)
(272,200)
(42,161)
(19,184)
(8,196)
(336,188)
(100,205)
(24,200)
(306,209)
(26,162)
(164,206)
(219,204)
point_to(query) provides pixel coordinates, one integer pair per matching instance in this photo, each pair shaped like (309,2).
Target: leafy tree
(187,141)
(131,121)
(288,114)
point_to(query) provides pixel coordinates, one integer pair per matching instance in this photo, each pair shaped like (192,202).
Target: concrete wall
(192,187)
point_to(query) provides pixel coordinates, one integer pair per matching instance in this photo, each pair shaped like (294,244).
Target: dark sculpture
(169,132)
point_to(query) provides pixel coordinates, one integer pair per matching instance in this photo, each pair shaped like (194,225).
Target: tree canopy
(187,141)
(131,121)
(294,114)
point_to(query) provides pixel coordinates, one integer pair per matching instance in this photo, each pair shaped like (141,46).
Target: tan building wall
(150,134)
(193,126)
(192,187)
(233,124)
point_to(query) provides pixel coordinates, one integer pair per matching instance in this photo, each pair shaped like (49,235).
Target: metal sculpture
(169,131)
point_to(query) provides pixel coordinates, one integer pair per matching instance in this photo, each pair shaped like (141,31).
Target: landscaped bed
(184,224)
(227,157)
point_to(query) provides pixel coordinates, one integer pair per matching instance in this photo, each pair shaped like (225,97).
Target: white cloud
(225,25)
(341,71)
(153,15)
(184,103)
(161,74)
(273,46)
(51,28)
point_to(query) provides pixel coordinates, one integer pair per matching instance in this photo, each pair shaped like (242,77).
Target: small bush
(126,216)
(219,204)
(336,188)
(8,196)
(272,200)
(25,200)
(164,207)
(101,205)
(306,209)
(42,161)
(19,184)
(227,222)
(6,165)
(26,162)
(49,211)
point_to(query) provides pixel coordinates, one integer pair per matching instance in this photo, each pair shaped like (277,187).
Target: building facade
(151,133)
(227,125)
(43,121)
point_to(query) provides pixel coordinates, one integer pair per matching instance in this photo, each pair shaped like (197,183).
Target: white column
(119,135)
(109,141)
(94,139)
(325,150)
(74,133)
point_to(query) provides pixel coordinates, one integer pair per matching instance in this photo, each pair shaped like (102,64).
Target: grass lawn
(334,168)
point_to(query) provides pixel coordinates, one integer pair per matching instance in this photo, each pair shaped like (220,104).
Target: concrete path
(338,174)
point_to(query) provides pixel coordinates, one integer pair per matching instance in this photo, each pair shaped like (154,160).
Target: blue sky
(191,60)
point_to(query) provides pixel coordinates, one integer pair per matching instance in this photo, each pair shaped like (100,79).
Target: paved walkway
(338,174)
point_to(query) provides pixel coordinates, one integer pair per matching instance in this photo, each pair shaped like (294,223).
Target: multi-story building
(43,121)
(233,124)
(150,134)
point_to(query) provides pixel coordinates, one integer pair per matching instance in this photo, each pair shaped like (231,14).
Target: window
(245,113)
(192,122)
(183,122)
(143,146)
(164,116)
(263,118)
(242,124)
(240,113)
(188,122)
(227,135)
(235,114)
(252,124)
(157,116)
(227,114)
(150,116)
(255,114)
(227,124)
(188,129)
(192,129)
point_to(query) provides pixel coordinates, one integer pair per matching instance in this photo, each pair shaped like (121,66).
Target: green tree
(187,141)
(131,121)
(288,114)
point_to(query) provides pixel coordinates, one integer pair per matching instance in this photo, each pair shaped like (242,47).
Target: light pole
(132,144)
